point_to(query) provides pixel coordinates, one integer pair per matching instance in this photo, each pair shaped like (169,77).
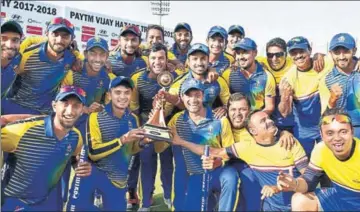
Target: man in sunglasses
(235,34)
(340,87)
(299,93)
(11,34)
(126,61)
(337,156)
(41,71)
(251,78)
(183,38)
(41,148)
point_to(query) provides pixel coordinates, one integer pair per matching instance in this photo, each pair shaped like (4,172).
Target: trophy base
(157,133)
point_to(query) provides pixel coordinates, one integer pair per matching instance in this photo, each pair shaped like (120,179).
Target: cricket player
(183,37)
(337,156)
(251,78)
(341,86)
(48,143)
(235,34)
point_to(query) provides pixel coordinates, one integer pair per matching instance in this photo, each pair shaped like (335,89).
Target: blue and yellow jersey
(145,89)
(210,131)
(94,86)
(280,121)
(120,68)
(345,175)
(242,135)
(259,85)
(105,148)
(174,50)
(350,99)
(307,107)
(212,90)
(8,74)
(40,157)
(267,161)
(39,78)
(224,62)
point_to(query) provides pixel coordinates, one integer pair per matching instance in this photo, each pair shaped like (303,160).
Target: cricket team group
(279,132)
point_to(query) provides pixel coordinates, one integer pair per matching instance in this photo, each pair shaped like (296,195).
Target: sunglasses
(69,88)
(339,118)
(62,21)
(132,28)
(277,54)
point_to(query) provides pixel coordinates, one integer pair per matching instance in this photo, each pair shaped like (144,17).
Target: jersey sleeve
(270,87)
(11,135)
(30,41)
(224,91)
(146,60)
(314,171)
(299,155)
(170,56)
(239,150)
(227,138)
(329,64)
(230,58)
(134,103)
(68,79)
(263,61)
(98,148)
(174,90)
(80,143)
(226,75)
(324,93)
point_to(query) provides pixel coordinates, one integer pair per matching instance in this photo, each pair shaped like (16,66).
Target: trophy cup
(155,127)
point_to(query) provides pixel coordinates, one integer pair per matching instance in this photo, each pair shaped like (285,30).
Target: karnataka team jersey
(105,148)
(174,50)
(8,74)
(259,85)
(120,68)
(224,61)
(39,157)
(267,161)
(210,131)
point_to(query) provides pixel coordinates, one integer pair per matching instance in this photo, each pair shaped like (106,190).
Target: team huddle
(248,132)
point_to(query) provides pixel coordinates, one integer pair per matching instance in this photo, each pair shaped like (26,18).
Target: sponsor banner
(89,24)
(33,16)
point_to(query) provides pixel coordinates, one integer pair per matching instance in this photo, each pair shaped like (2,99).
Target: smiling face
(120,96)
(59,40)
(182,38)
(342,56)
(301,58)
(157,61)
(238,112)
(262,126)
(10,44)
(193,100)
(276,57)
(245,58)
(129,43)
(216,44)
(233,38)
(337,136)
(96,58)
(67,111)
(198,62)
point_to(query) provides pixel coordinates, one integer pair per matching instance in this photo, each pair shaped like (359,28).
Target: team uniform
(344,195)
(120,68)
(222,63)
(37,83)
(261,84)
(349,100)
(265,163)
(306,104)
(282,123)
(111,160)
(212,132)
(8,75)
(38,161)
(145,89)
(175,51)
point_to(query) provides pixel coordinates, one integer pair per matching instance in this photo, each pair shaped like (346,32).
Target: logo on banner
(114,35)
(113,42)
(102,32)
(34,30)
(3,14)
(87,33)
(17,18)
(30,20)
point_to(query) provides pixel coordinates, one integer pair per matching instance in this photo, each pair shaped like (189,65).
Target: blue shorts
(338,199)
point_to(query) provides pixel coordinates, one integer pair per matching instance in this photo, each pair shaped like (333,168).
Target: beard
(57,50)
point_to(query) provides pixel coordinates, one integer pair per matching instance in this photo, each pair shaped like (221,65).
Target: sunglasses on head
(69,88)
(63,21)
(277,54)
(339,118)
(132,27)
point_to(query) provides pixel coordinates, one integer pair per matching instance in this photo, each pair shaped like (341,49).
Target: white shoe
(168,203)
(143,209)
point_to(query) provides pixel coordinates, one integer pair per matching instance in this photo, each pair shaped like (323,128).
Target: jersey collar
(108,109)
(49,129)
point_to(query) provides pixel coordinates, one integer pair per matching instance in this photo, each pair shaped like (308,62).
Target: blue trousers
(227,197)
(10,107)
(83,189)
(180,179)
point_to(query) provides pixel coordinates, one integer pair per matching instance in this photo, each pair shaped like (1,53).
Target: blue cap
(61,23)
(298,42)
(199,47)
(68,90)
(117,80)
(344,40)
(218,30)
(236,28)
(191,84)
(11,26)
(246,44)
(183,25)
(97,42)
